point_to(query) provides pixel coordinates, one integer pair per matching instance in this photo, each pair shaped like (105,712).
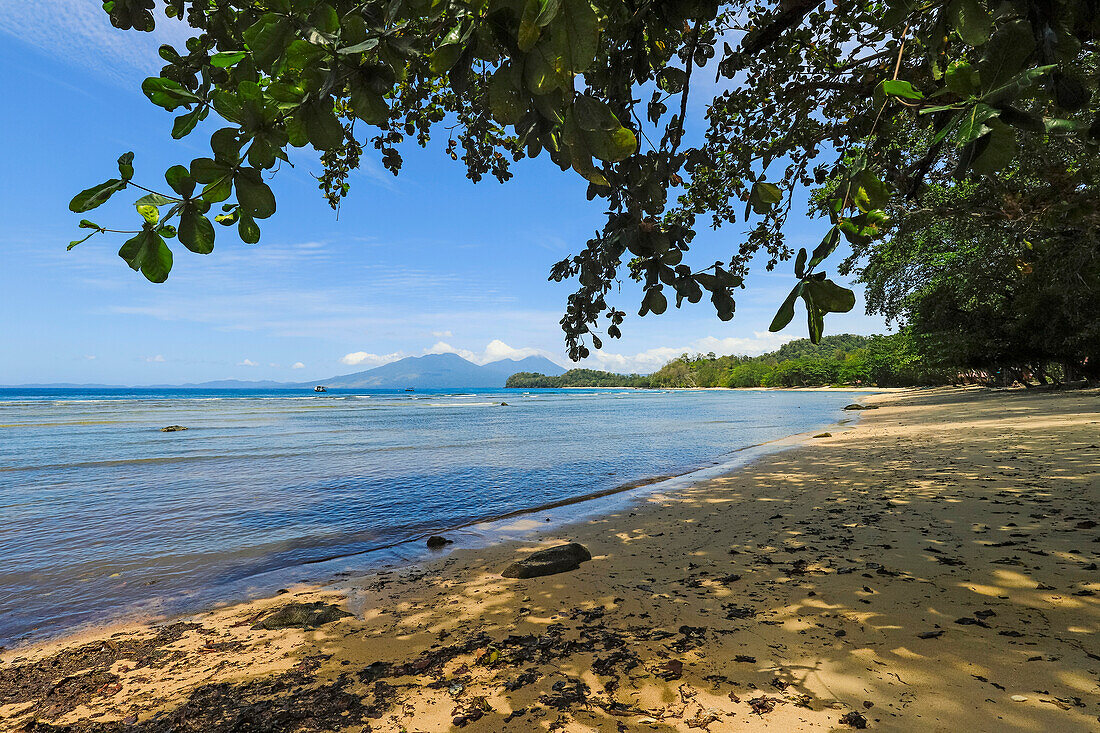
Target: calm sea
(102,515)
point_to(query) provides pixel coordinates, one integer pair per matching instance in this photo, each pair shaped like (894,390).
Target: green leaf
(547,13)
(898,88)
(786,311)
(972,21)
(763,196)
(1006,53)
(226,59)
(800,263)
(90,198)
(672,79)
(86,224)
(368,105)
(827,247)
(267,39)
(323,128)
(654,301)
(869,193)
(973,124)
(540,73)
(962,79)
(995,150)
(226,145)
(195,231)
(1053,124)
(579,153)
(506,100)
(604,136)
(574,37)
(367,45)
(217,177)
(180,180)
(247,228)
(186,122)
(1017,85)
(254,196)
(148,253)
(75,242)
(445,57)
(529,29)
(126,166)
(828,297)
(149,212)
(815,320)
(167,93)
(154,199)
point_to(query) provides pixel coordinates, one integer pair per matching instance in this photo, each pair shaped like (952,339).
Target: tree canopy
(884,361)
(868,99)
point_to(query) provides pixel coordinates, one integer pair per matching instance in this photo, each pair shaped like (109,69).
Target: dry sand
(932,569)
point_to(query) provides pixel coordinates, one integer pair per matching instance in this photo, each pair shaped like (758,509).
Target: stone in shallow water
(172,429)
(550,561)
(435,542)
(857,406)
(301,616)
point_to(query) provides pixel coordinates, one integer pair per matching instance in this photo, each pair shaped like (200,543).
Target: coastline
(770,563)
(526,525)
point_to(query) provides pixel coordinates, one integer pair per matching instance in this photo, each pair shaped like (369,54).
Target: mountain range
(439,371)
(432,371)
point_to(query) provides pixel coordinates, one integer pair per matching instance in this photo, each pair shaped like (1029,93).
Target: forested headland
(895,360)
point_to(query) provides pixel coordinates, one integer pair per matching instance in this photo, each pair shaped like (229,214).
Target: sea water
(102,515)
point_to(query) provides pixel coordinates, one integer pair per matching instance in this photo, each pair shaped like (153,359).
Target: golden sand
(931,568)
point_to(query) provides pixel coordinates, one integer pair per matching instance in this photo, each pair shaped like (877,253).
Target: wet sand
(933,568)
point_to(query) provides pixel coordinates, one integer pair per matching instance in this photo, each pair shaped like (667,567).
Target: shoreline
(784,596)
(520,525)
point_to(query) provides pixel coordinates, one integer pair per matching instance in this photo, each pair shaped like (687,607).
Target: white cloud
(90,357)
(297,365)
(80,32)
(442,334)
(441,347)
(653,359)
(495,350)
(247,363)
(365,358)
(158,359)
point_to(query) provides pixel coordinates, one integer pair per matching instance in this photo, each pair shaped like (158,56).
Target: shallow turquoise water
(103,514)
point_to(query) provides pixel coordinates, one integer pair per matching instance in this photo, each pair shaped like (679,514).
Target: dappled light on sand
(932,569)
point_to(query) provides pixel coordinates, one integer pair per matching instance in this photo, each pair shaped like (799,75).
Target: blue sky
(423,262)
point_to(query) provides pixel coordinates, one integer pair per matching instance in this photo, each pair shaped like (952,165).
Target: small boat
(409,389)
(319,388)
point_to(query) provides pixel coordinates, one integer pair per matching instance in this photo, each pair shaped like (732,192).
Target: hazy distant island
(432,371)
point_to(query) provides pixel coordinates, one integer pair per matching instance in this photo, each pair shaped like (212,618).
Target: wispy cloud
(246,363)
(651,360)
(297,365)
(80,32)
(363,358)
(158,359)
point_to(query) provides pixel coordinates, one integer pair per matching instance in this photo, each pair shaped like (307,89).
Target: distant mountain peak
(440,371)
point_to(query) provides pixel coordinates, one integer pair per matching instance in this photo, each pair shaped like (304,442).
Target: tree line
(845,359)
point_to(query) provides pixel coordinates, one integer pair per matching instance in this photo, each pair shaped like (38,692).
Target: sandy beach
(930,567)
